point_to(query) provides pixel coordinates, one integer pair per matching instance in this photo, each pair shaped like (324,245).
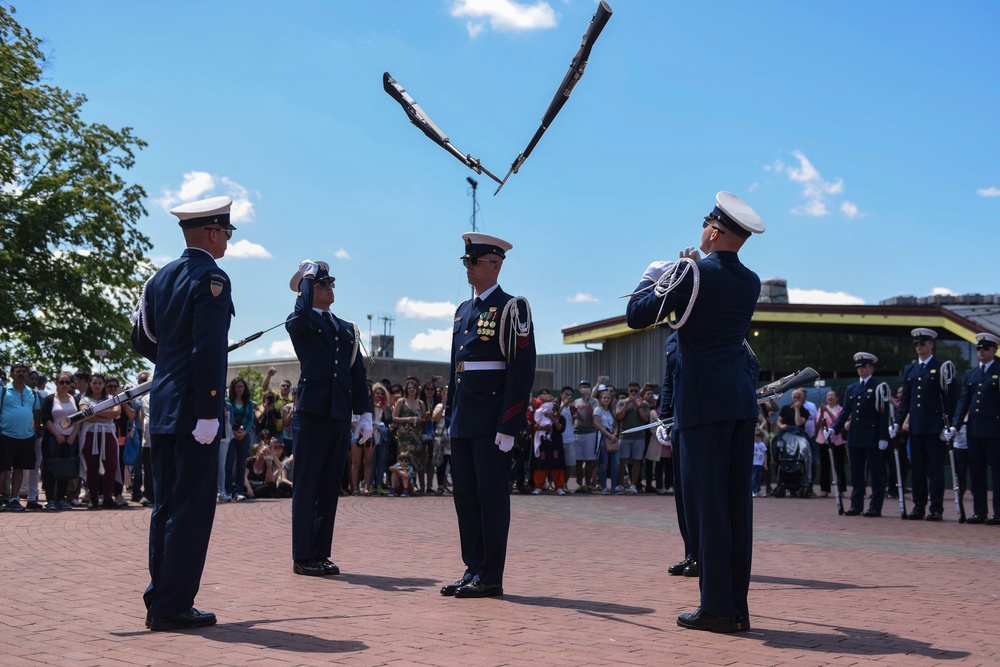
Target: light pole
(100,354)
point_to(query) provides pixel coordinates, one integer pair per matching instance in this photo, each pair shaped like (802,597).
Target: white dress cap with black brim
(322,272)
(736,215)
(865,359)
(921,334)
(985,339)
(211,211)
(477,245)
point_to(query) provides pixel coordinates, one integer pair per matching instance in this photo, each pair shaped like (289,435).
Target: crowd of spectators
(578,434)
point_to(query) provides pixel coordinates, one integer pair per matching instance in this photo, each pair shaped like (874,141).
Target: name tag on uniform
(933,370)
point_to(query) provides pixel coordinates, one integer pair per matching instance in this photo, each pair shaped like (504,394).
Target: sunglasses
(325,283)
(64,382)
(473,261)
(708,224)
(113,386)
(228,232)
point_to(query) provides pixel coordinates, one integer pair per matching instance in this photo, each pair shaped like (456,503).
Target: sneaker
(537,492)
(50,506)
(75,503)
(762,494)
(239,497)
(391,494)
(404,494)
(670,490)
(605,491)
(120,499)
(14,505)
(146,502)
(560,492)
(63,505)
(583,488)
(619,490)
(632,490)
(33,505)
(224,497)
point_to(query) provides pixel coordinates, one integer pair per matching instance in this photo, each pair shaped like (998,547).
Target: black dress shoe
(450,589)
(742,624)
(934,516)
(852,511)
(477,589)
(692,569)
(993,520)
(915,514)
(976,518)
(870,512)
(149,617)
(678,568)
(309,568)
(192,618)
(329,567)
(701,620)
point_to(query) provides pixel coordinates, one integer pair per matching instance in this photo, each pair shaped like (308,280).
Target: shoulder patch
(216,287)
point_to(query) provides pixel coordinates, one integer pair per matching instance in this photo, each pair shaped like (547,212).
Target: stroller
(793,459)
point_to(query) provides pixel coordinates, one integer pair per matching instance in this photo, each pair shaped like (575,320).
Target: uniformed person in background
(492,370)
(867,437)
(333,385)
(715,407)
(928,402)
(182,326)
(979,409)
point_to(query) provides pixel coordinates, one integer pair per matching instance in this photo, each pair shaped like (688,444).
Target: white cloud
(432,339)
(815,189)
(342,254)
(201,184)
(582,297)
(244,249)
(281,348)
(943,291)
(753,186)
(411,308)
(796,295)
(504,15)
(988,192)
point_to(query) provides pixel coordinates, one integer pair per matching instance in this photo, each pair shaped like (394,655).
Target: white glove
(949,434)
(828,433)
(206,430)
(657,269)
(308,268)
(363,431)
(662,434)
(505,442)
(690,252)
(883,444)
(893,429)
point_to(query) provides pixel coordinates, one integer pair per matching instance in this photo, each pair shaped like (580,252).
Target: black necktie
(328,316)
(922,366)
(982,367)
(477,303)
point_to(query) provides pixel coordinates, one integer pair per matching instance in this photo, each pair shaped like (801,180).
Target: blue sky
(864,134)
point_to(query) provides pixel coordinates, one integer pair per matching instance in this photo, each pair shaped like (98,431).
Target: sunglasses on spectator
(633,391)
(228,232)
(64,382)
(473,261)
(325,282)
(113,386)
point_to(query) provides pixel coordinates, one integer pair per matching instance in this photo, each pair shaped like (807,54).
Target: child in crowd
(402,473)
(759,461)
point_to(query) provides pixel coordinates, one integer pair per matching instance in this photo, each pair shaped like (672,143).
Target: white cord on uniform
(883,395)
(669,281)
(947,375)
(139,314)
(518,329)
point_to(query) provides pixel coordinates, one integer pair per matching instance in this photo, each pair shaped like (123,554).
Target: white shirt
(482,297)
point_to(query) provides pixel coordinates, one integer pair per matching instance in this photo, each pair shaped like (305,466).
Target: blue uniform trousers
(184,487)
(690,541)
(481,476)
(984,452)
(927,468)
(716,465)
(321,445)
(870,458)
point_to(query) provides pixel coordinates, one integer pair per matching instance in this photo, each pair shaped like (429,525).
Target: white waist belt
(479,366)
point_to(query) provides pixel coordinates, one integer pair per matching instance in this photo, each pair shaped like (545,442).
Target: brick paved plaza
(585,585)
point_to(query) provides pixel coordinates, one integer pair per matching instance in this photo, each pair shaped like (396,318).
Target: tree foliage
(72,259)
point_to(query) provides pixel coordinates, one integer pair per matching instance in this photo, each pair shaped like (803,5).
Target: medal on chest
(486,325)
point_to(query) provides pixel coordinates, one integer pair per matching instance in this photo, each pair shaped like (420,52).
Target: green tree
(72,260)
